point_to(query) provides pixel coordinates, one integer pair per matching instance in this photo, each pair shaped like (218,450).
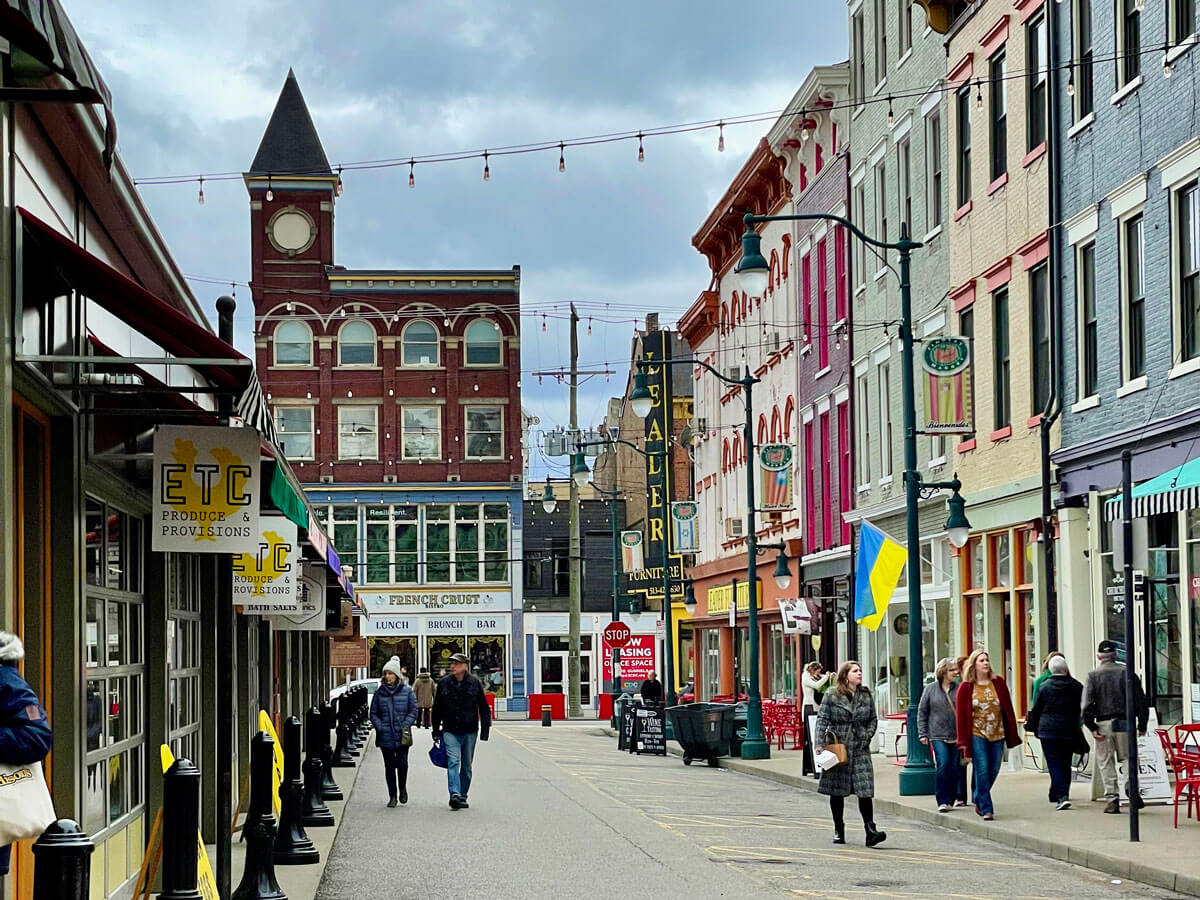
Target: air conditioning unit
(454,478)
(734,372)
(389,479)
(326,479)
(735,527)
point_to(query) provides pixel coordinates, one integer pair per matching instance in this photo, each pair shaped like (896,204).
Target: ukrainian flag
(880,562)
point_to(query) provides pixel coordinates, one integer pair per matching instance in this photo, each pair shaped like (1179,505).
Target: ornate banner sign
(946,386)
(632,559)
(267,580)
(685,530)
(775,492)
(206,489)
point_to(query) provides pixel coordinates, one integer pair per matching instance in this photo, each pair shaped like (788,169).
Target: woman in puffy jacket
(393,712)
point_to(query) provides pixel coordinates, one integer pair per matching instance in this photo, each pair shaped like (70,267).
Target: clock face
(292,231)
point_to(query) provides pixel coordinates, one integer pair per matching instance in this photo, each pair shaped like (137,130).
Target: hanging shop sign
(946,386)
(720,598)
(206,489)
(631,552)
(267,580)
(802,616)
(425,600)
(685,526)
(775,491)
(310,613)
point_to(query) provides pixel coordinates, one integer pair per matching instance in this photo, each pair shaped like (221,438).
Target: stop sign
(617,634)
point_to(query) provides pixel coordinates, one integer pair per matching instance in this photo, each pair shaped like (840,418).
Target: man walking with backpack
(460,717)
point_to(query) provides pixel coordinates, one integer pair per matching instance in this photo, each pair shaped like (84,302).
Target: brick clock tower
(396,396)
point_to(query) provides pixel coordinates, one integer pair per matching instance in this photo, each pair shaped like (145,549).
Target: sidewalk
(1083,835)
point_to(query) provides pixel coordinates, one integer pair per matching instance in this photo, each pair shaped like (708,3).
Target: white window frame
(862,410)
(879,56)
(500,452)
(1083,70)
(341,410)
(1124,210)
(1176,37)
(275,345)
(1080,320)
(884,392)
(858,53)
(858,194)
(312,443)
(1186,364)
(904,184)
(437,358)
(374,346)
(1125,84)
(935,170)
(879,183)
(905,37)
(467,345)
(404,428)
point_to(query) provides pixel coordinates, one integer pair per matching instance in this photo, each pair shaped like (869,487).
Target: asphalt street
(560,813)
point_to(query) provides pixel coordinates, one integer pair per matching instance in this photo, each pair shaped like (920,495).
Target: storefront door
(552,668)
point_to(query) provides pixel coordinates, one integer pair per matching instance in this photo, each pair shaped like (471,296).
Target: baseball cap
(1106,647)
(459,657)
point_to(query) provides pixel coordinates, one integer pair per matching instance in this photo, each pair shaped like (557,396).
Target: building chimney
(651,322)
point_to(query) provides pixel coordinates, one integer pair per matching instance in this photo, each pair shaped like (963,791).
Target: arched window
(776,424)
(420,341)
(773,272)
(789,408)
(483,342)
(356,344)
(737,450)
(762,430)
(724,318)
(293,344)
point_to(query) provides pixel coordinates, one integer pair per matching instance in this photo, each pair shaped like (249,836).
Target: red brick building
(396,395)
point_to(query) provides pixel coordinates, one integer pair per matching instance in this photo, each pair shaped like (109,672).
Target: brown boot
(1114,807)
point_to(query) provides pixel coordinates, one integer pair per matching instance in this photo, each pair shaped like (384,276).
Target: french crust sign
(206,489)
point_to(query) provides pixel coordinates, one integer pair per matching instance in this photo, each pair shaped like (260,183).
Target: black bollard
(316,813)
(258,877)
(341,753)
(62,868)
(329,787)
(292,844)
(356,740)
(547,713)
(181,818)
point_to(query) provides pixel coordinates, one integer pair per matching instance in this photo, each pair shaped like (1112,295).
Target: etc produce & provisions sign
(206,489)
(267,580)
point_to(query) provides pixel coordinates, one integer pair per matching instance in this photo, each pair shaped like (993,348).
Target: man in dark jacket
(25,735)
(1055,720)
(652,690)
(1104,715)
(460,716)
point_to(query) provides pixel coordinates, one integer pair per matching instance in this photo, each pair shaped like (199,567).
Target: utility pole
(574,709)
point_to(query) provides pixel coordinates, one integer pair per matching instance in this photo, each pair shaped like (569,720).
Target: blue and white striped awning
(1174,490)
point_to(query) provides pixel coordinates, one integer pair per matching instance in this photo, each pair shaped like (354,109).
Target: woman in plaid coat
(848,713)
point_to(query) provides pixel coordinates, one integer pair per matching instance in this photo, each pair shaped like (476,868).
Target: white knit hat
(393,666)
(11,648)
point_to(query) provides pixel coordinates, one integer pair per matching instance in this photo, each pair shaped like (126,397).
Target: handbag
(25,804)
(406,736)
(437,754)
(836,747)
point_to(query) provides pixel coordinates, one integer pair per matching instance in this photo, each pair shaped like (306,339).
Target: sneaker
(961,803)
(463,804)
(392,803)
(456,801)
(1062,804)
(987,817)
(1113,807)
(943,807)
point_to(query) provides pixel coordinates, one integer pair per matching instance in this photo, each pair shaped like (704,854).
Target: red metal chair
(1186,768)
(787,722)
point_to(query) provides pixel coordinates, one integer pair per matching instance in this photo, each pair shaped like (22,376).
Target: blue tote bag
(437,754)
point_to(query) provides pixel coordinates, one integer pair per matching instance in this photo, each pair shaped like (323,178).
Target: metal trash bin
(703,730)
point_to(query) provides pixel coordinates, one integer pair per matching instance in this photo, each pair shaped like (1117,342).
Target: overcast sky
(194,84)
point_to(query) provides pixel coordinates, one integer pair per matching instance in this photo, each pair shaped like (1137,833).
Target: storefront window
(437,543)
(441,648)
(345,534)
(1193,550)
(405,543)
(114,709)
(183,654)
(487,661)
(1165,678)
(782,663)
(711,639)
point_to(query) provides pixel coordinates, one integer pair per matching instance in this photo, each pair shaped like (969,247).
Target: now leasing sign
(268,579)
(206,489)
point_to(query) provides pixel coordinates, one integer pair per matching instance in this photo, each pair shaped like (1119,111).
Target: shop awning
(1174,490)
(139,308)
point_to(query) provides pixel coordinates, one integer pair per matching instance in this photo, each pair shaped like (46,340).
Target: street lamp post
(755,745)
(918,774)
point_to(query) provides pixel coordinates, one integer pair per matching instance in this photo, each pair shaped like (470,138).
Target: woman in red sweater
(986,724)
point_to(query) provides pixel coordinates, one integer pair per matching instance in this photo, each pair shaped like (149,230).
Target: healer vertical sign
(206,489)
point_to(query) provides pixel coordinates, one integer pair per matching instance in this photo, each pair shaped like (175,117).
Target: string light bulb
(891,118)
(641,149)
(589,324)
(270,193)
(200,196)
(720,137)
(804,132)
(1071,84)
(1168,69)
(543,321)
(412,178)
(1139,5)
(978,95)
(487,173)
(562,158)
(337,191)
(446,322)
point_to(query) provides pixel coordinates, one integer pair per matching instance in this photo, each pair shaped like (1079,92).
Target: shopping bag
(437,754)
(25,805)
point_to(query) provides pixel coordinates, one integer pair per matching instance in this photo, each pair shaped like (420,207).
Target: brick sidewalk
(1083,835)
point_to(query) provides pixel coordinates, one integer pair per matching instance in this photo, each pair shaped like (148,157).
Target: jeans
(1057,752)
(951,781)
(460,751)
(986,757)
(394,758)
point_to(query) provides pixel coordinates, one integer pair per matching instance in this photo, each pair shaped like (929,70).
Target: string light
(1139,5)
(200,197)
(543,321)
(641,149)
(589,324)
(562,157)
(1167,67)
(412,179)
(978,95)
(337,191)
(487,173)
(891,117)
(804,132)
(720,137)
(270,193)
(1071,84)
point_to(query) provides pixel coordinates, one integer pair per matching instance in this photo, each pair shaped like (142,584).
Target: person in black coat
(461,716)
(652,689)
(393,712)
(1055,719)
